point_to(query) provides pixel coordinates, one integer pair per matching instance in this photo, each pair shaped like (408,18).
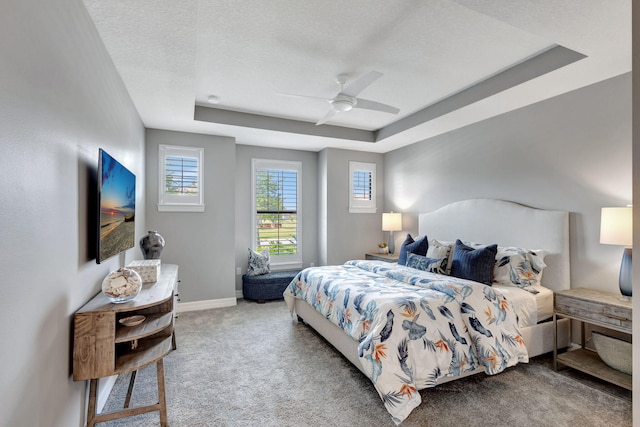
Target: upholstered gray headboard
(507,224)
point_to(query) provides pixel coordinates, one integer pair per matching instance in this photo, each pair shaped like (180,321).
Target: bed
(439,315)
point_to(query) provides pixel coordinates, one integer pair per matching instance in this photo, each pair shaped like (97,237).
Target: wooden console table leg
(93,402)
(161,395)
(132,382)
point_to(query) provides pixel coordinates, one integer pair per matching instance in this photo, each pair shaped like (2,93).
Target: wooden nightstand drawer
(381,257)
(599,308)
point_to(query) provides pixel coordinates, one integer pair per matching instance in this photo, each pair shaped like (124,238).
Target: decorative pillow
(474,264)
(441,249)
(258,263)
(432,265)
(519,267)
(418,247)
(473,245)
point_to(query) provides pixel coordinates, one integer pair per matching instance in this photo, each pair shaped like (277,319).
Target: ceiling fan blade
(293,95)
(377,106)
(360,84)
(327,117)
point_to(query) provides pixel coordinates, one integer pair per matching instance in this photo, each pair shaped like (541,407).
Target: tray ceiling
(445,64)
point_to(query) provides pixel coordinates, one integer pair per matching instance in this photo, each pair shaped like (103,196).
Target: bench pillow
(258,263)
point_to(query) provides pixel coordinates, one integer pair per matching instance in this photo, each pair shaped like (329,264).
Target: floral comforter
(413,327)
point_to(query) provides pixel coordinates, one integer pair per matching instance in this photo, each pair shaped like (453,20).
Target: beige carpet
(253,365)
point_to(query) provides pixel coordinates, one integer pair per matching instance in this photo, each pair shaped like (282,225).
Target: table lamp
(391,222)
(616,228)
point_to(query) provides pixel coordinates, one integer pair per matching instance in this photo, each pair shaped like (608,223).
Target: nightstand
(596,308)
(381,257)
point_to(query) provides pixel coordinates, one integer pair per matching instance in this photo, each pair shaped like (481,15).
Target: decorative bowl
(122,285)
(132,320)
(614,352)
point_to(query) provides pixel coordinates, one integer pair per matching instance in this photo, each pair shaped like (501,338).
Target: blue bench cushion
(267,286)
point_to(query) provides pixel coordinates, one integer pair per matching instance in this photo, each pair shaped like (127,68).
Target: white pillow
(442,249)
(520,267)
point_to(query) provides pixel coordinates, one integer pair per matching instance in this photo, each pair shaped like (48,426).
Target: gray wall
(244,154)
(62,99)
(198,242)
(571,153)
(347,235)
(323,213)
(636,193)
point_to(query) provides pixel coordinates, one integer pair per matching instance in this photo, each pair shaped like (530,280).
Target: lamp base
(625,275)
(390,244)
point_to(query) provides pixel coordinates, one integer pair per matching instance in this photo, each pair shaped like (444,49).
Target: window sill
(362,210)
(286,266)
(180,208)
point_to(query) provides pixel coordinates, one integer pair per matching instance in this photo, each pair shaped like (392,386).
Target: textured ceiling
(445,64)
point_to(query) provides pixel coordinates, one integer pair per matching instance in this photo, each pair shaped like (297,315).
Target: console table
(102,347)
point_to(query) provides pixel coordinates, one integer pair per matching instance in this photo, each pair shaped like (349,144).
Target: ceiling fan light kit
(343,103)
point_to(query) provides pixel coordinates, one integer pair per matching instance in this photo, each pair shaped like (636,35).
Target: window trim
(175,203)
(362,206)
(279,262)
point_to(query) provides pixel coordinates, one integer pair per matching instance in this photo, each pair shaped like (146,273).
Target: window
(276,211)
(181,184)
(362,187)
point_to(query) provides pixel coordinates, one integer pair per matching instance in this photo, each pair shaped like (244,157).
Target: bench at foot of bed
(268,286)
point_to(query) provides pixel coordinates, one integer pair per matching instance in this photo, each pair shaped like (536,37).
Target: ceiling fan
(347,99)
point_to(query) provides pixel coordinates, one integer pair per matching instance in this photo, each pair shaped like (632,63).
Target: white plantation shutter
(182,175)
(181,182)
(276,210)
(362,187)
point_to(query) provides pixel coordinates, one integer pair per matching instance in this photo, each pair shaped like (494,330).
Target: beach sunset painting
(117,207)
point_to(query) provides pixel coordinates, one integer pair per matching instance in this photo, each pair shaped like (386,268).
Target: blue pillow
(432,265)
(418,247)
(474,264)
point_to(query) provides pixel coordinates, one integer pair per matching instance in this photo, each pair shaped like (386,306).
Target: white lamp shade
(616,226)
(391,221)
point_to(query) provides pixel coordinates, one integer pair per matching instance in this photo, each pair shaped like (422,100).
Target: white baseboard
(239,294)
(206,304)
(105,385)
